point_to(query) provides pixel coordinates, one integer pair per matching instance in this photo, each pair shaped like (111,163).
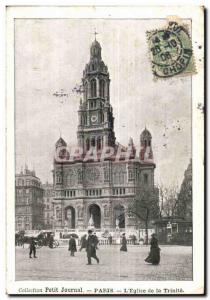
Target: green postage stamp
(170,51)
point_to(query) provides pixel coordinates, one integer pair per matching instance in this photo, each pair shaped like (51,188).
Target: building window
(130,175)
(93,87)
(99,143)
(79,176)
(101,115)
(121,177)
(106,175)
(85,119)
(87,144)
(58,178)
(86,91)
(145,178)
(93,142)
(102,88)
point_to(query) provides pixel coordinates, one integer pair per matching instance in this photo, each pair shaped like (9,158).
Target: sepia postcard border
(196,286)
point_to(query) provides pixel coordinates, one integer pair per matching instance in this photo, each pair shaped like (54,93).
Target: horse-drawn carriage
(43,238)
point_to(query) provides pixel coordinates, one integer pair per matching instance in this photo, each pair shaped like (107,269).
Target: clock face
(94,119)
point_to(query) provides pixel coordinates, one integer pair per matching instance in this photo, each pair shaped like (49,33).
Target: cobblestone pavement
(56,264)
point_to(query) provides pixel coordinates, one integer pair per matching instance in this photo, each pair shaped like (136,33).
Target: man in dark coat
(91,247)
(154,255)
(72,245)
(32,247)
(83,242)
(110,239)
(124,243)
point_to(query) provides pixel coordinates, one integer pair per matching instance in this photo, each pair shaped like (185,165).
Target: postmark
(170,51)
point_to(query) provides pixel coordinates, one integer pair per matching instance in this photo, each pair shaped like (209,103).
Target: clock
(94,119)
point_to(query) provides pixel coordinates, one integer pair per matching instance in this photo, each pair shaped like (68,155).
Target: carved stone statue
(91,222)
(117,223)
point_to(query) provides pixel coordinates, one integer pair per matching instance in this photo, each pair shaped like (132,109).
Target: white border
(196,14)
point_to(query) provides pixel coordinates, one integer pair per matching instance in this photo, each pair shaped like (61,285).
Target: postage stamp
(105,173)
(170,51)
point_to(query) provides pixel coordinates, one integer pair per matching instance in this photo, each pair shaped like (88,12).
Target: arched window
(93,87)
(79,176)
(99,143)
(146,178)
(93,142)
(102,117)
(145,143)
(58,178)
(85,119)
(87,144)
(102,88)
(86,91)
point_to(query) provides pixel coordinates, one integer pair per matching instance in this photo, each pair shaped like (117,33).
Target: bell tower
(96,121)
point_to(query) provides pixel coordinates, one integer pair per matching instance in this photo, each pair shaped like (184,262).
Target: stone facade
(28,201)
(96,192)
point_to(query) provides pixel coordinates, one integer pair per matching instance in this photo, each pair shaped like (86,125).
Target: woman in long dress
(124,243)
(154,255)
(72,246)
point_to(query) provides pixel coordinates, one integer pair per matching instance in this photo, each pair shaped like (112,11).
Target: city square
(56,264)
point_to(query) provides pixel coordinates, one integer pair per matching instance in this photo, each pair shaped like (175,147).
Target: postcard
(105,150)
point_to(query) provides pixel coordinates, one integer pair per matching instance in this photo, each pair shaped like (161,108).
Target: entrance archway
(119,216)
(70,217)
(94,216)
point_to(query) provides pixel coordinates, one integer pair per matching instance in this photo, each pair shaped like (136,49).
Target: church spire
(96,121)
(95,33)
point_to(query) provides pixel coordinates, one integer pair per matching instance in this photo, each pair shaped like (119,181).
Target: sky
(50,55)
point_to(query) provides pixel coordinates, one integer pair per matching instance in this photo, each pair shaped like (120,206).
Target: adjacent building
(96,191)
(184,206)
(48,205)
(28,201)
(177,228)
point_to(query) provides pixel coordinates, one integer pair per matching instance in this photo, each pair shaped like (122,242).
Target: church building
(97,192)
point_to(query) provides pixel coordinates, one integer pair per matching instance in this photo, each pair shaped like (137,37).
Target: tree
(168,201)
(184,202)
(145,207)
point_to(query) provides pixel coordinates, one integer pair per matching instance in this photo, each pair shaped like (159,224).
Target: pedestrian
(32,247)
(96,240)
(124,243)
(110,239)
(72,245)
(134,239)
(91,247)
(83,242)
(154,255)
